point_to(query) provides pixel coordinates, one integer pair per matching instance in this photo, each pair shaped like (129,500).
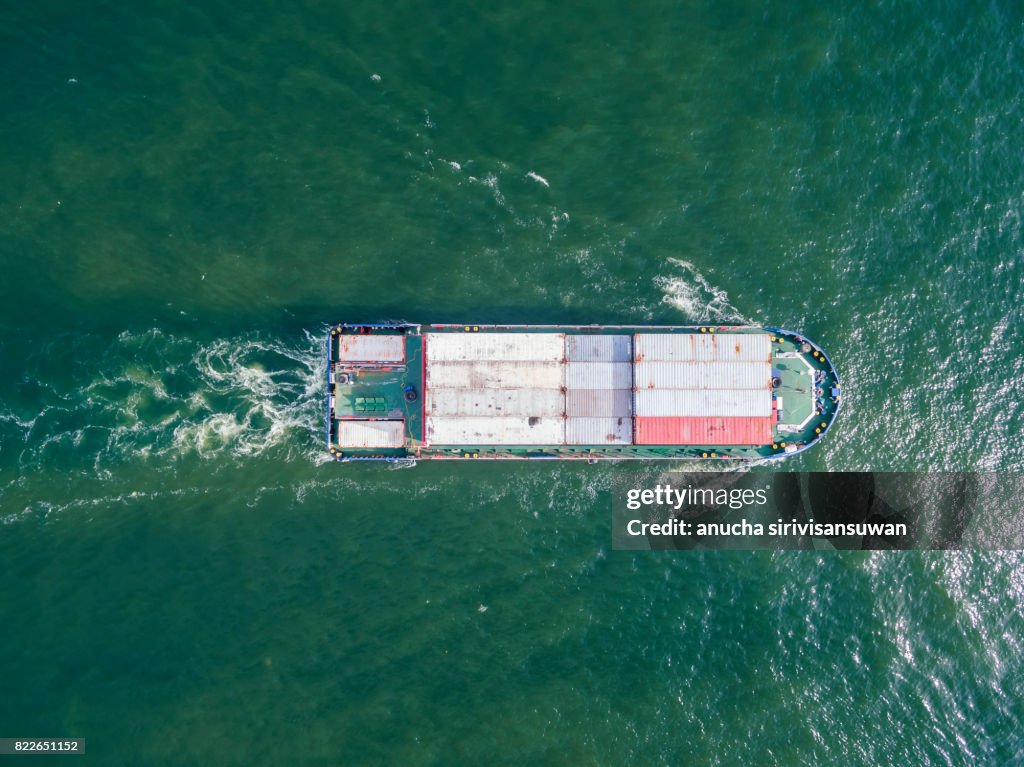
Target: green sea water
(192,190)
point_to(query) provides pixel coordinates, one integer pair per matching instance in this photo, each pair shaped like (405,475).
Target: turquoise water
(191,191)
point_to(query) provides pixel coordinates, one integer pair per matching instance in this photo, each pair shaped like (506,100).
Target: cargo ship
(402,391)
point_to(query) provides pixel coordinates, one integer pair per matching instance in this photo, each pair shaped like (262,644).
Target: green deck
(377,393)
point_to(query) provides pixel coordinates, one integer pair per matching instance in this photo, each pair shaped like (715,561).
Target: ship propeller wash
(404,391)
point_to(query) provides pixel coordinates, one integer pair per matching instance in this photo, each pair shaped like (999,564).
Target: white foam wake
(247,405)
(691,293)
(153,394)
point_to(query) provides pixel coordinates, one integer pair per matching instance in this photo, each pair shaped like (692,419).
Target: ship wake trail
(256,394)
(157,397)
(690,292)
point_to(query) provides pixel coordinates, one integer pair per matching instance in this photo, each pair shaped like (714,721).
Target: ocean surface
(190,191)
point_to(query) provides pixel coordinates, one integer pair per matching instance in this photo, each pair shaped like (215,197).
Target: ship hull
(400,391)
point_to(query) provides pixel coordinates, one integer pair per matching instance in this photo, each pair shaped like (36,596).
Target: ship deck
(368,392)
